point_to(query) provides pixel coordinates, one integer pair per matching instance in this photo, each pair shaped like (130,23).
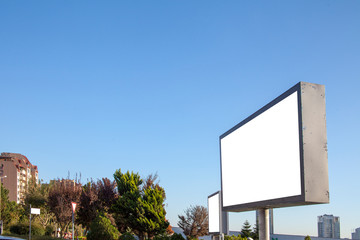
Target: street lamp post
(1,222)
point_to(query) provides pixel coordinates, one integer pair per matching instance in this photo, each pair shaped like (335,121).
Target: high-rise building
(328,226)
(356,234)
(15,172)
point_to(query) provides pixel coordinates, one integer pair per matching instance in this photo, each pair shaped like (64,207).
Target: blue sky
(149,86)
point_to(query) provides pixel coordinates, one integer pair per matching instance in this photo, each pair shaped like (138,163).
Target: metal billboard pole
(264,229)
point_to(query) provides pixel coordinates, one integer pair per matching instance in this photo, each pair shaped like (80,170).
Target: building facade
(328,226)
(15,173)
(356,234)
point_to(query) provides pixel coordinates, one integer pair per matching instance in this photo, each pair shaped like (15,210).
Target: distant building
(18,171)
(356,234)
(328,226)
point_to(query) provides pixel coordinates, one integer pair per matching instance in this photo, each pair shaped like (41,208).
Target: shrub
(127,236)
(177,236)
(101,228)
(23,229)
(49,230)
(233,237)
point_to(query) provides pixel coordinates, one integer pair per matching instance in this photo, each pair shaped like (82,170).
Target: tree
(11,212)
(88,205)
(99,196)
(106,193)
(255,232)
(37,195)
(139,206)
(307,237)
(101,228)
(61,194)
(246,229)
(195,222)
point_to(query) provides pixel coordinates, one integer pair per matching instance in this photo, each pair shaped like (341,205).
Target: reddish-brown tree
(195,222)
(61,194)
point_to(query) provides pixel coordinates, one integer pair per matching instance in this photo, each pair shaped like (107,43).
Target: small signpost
(73,204)
(33,211)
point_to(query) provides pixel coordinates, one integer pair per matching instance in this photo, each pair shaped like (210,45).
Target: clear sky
(149,86)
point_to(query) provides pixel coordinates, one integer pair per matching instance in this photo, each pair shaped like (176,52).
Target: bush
(23,229)
(161,237)
(233,237)
(101,228)
(49,230)
(127,236)
(177,236)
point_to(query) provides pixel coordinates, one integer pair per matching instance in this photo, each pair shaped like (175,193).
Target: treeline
(106,209)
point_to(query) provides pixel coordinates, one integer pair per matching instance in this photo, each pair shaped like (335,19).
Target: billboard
(277,157)
(214,211)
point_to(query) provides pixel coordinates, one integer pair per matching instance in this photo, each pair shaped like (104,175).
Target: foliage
(140,205)
(95,197)
(195,222)
(23,229)
(233,237)
(49,230)
(88,205)
(255,232)
(307,237)
(101,228)
(127,236)
(33,237)
(11,212)
(61,194)
(177,236)
(246,229)
(169,230)
(37,195)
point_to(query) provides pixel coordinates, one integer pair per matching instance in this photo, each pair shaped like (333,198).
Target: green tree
(195,222)
(37,196)
(11,212)
(246,229)
(101,228)
(139,206)
(255,232)
(307,237)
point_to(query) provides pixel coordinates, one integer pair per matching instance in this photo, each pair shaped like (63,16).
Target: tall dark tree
(255,232)
(88,205)
(195,222)
(106,193)
(61,194)
(246,229)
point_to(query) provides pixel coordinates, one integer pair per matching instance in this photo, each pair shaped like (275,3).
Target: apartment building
(329,226)
(15,172)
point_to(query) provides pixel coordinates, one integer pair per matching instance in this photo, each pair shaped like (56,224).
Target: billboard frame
(312,146)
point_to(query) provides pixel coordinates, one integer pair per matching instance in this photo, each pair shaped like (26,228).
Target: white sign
(35,211)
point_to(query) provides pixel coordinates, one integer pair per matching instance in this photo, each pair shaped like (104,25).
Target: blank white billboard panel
(264,158)
(253,150)
(214,213)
